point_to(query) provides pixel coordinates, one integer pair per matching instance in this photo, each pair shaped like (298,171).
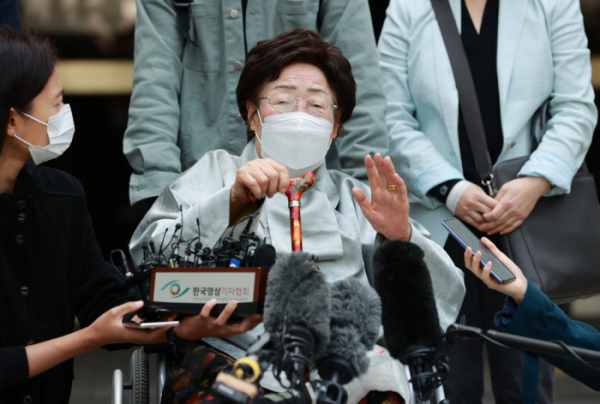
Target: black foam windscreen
(409,314)
(284,278)
(264,256)
(355,322)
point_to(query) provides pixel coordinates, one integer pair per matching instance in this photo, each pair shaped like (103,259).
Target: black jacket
(51,270)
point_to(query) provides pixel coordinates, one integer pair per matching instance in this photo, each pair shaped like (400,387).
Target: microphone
(297,306)
(296,320)
(355,323)
(264,256)
(409,314)
(354,327)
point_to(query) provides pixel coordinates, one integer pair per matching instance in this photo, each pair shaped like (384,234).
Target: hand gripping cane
(294,192)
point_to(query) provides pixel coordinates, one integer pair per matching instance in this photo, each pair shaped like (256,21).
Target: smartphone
(132,321)
(466,238)
(150,325)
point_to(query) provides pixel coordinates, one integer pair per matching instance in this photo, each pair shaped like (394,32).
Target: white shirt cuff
(455,194)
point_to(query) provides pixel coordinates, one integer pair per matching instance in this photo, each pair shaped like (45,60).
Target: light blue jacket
(542,52)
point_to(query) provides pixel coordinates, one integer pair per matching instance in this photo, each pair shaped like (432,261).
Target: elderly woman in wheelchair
(295,93)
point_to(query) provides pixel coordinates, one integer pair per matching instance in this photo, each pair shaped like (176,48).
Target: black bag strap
(467,96)
(182,8)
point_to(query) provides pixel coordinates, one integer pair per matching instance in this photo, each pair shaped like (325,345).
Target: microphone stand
(456,331)
(294,193)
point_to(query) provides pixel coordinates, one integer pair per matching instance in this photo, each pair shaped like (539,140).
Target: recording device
(466,238)
(297,307)
(295,295)
(183,280)
(354,328)
(409,315)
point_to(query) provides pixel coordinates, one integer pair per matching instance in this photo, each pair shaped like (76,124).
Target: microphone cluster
(309,324)
(248,250)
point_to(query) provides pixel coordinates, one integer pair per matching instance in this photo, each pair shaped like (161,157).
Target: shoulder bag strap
(467,96)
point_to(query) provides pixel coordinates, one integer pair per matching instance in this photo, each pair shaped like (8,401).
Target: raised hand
(388,209)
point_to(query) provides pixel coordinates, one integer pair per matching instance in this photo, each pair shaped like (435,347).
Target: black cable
(251,216)
(564,346)
(574,354)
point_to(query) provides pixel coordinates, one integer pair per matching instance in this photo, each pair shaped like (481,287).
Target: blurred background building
(95,41)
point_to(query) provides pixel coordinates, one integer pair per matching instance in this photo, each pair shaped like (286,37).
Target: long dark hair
(268,58)
(26,63)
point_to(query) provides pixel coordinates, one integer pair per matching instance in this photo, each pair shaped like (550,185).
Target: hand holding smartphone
(466,238)
(133,321)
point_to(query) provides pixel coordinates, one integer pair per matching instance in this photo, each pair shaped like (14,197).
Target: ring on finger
(392,187)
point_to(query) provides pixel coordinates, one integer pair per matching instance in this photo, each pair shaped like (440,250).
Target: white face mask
(60,128)
(296,140)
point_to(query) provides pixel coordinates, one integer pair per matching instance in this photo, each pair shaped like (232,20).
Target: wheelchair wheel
(140,378)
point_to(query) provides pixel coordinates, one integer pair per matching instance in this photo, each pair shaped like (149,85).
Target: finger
(363,202)
(468,257)
(400,187)
(492,247)
(486,276)
(250,182)
(501,193)
(262,180)
(513,227)
(383,183)
(250,322)
(205,312)
(474,218)
(476,264)
(487,200)
(272,187)
(226,313)
(389,170)
(127,308)
(496,213)
(504,226)
(482,208)
(284,177)
(500,226)
(372,173)
(169,317)
(495,250)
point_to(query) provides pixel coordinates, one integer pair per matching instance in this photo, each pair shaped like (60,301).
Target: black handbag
(558,245)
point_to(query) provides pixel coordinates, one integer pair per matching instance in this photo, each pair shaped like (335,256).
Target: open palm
(388,210)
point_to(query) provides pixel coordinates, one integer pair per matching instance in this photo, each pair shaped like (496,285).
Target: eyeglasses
(316,106)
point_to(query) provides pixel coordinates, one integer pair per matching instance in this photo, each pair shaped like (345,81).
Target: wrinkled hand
(473,203)
(516,199)
(109,328)
(388,210)
(262,177)
(204,325)
(515,289)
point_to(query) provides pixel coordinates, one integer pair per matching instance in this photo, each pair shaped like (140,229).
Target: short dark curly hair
(268,58)
(26,61)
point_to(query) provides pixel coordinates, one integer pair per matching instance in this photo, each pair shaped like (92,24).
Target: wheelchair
(139,379)
(139,375)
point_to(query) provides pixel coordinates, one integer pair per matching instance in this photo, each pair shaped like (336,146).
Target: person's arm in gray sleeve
(150,141)
(347,25)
